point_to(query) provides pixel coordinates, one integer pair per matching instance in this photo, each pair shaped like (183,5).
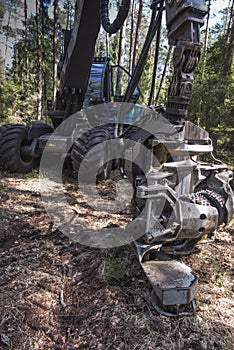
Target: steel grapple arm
(184,19)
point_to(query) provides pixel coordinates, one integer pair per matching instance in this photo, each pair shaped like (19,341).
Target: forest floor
(57,294)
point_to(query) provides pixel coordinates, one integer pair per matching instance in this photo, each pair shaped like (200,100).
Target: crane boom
(79,55)
(184,19)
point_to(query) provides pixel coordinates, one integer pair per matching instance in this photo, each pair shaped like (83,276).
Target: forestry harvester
(178,199)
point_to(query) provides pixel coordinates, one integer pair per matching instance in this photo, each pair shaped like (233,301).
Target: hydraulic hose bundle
(109,27)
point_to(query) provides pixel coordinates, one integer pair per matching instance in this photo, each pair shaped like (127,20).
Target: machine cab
(107,83)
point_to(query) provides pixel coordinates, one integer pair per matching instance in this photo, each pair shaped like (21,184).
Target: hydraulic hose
(112,28)
(155,23)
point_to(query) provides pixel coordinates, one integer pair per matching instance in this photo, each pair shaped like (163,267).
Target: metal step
(54,143)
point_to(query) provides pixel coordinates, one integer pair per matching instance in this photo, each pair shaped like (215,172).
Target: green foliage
(16,104)
(19,92)
(11,8)
(213,92)
(9,95)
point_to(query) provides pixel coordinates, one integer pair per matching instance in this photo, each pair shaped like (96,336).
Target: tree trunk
(131,36)
(39,58)
(26,37)
(154,76)
(7,42)
(203,68)
(43,15)
(139,20)
(55,51)
(157,98)
(227,66)
(107,44)
(205,45)
(120,57)
(68,22)
(225,74)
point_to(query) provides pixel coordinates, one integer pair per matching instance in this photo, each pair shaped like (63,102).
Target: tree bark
(39,58)
(225,74)
(227,67)
(107,44)
(7,42)
(205,45)
(120,57)
(55,51)
(154,76)
(203,68)
(139,20)
(131,37)
(163,75)
(68,23)
(26,37)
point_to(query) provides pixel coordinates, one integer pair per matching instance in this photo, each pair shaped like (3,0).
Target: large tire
(92,142)
(13,138)
(1,163)
(3,129)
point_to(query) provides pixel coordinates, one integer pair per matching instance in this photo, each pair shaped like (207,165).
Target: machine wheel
(3,129)
(86,143)
(1,163)
(215,200)
(13,138)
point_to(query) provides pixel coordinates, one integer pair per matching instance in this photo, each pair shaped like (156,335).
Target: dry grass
(60,295)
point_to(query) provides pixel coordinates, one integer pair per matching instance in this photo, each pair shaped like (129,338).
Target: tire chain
(215,199)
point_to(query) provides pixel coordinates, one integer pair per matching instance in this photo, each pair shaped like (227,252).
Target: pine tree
(213,91)
(136,42)
(39,61)
(55,30)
